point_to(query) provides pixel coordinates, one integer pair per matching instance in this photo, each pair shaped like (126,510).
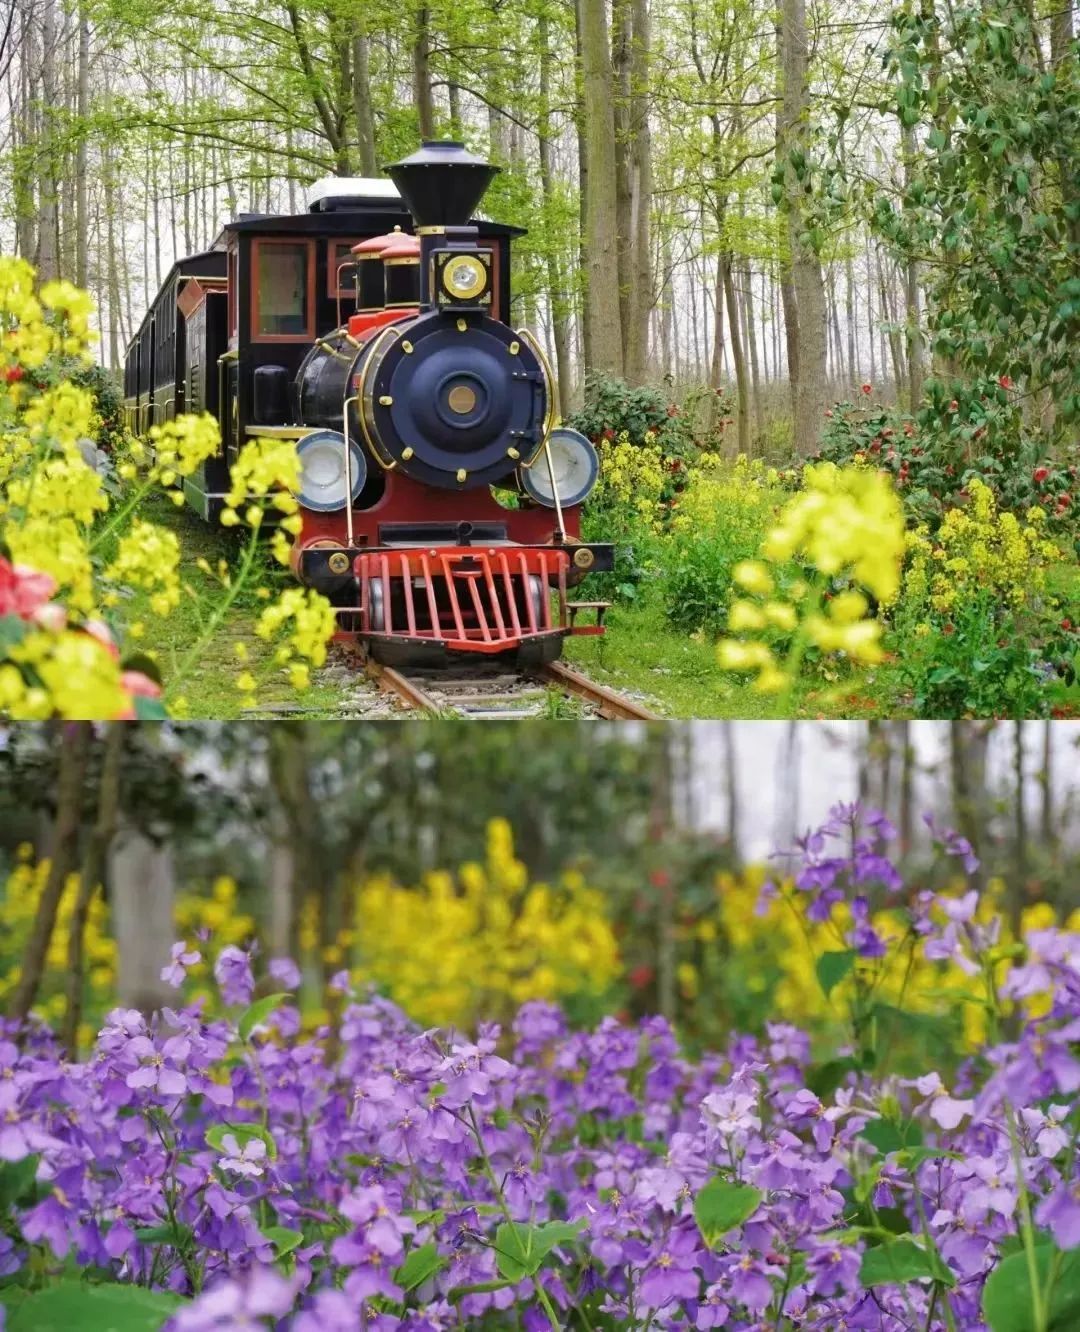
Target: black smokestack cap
(442,183)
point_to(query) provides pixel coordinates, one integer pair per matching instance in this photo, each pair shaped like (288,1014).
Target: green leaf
(520,1250)
(150,709)
(419,1265)
(889,1136)
(1007,1294)
(259,1011)
(17,1180)
(902,1260)
(283,1239)
(12,631)
(833,967)
(74,1304)
(823,1079)
(721,1206)
(243,1133)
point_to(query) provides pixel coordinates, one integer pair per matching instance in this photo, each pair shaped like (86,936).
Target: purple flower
(672,1271)
(157,1069)
(176,972)
(943,1108)
(248,1160)
(238,1303)
(285,971)
(232,971)
(1059,1212)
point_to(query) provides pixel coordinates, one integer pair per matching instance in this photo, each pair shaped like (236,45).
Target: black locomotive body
(374,331)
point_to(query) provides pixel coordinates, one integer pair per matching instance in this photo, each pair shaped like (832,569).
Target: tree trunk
(48,218)
(967,762)
(742,388)
(74,750)
(907,788)
(141,890)
(602,313)
(911,290)
(787,286)
(621,42)
(640,274)
(1020,872)
(805,264)
(365,123)
(751,346)
(660,741)
(560,305)
(421,72)
(91,875)
(583,176)
(731,788)
(82,107)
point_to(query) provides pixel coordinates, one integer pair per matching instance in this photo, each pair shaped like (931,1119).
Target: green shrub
(720,519)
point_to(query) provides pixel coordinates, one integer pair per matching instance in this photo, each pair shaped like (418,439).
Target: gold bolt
(386,400)
(515,347)
(338,562)
(513,453)
(461,474)
(406,347)
(461,326)
(406,454)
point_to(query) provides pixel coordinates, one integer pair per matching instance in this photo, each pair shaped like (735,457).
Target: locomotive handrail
(550,415)
(347,263)
(549,424)
(348,470)
(233,354)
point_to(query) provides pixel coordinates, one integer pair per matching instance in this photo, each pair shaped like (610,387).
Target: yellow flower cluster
(978,552)
(148,557)
(774,951)
(846,523)
(59,658)
(18,906)
(305,622)
(631,480)
(453,952)
(725,497)
(266,471)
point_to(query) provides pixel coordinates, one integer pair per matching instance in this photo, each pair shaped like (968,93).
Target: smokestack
(442,183)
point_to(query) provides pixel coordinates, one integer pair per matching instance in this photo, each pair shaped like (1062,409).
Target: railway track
(490,692)
(478,691)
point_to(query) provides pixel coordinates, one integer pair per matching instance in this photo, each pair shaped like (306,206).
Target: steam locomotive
(440,499)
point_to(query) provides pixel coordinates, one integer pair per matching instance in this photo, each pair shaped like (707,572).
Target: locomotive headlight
(464,277)
(574,464)
(323,482)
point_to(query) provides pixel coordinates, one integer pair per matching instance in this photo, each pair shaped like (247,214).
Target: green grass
(208,690)
(680,678)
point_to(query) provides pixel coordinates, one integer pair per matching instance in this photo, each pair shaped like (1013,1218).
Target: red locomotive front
(440,501)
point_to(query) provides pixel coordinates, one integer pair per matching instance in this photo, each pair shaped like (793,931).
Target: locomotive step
(600,607)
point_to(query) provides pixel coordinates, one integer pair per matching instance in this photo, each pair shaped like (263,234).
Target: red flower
(948,629)
(14,373)
(1005,382)
(609,433)
(673,410)
(954,405)
(867,388)
(23,591)
(641,976)
(828,413)
(660,878)
(1040,474)
(135,682)
(1064,500)
(1067,624)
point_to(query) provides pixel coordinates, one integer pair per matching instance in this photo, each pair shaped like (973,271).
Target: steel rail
(610,705)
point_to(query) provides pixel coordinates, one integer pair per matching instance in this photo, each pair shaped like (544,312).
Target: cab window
(284,294)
